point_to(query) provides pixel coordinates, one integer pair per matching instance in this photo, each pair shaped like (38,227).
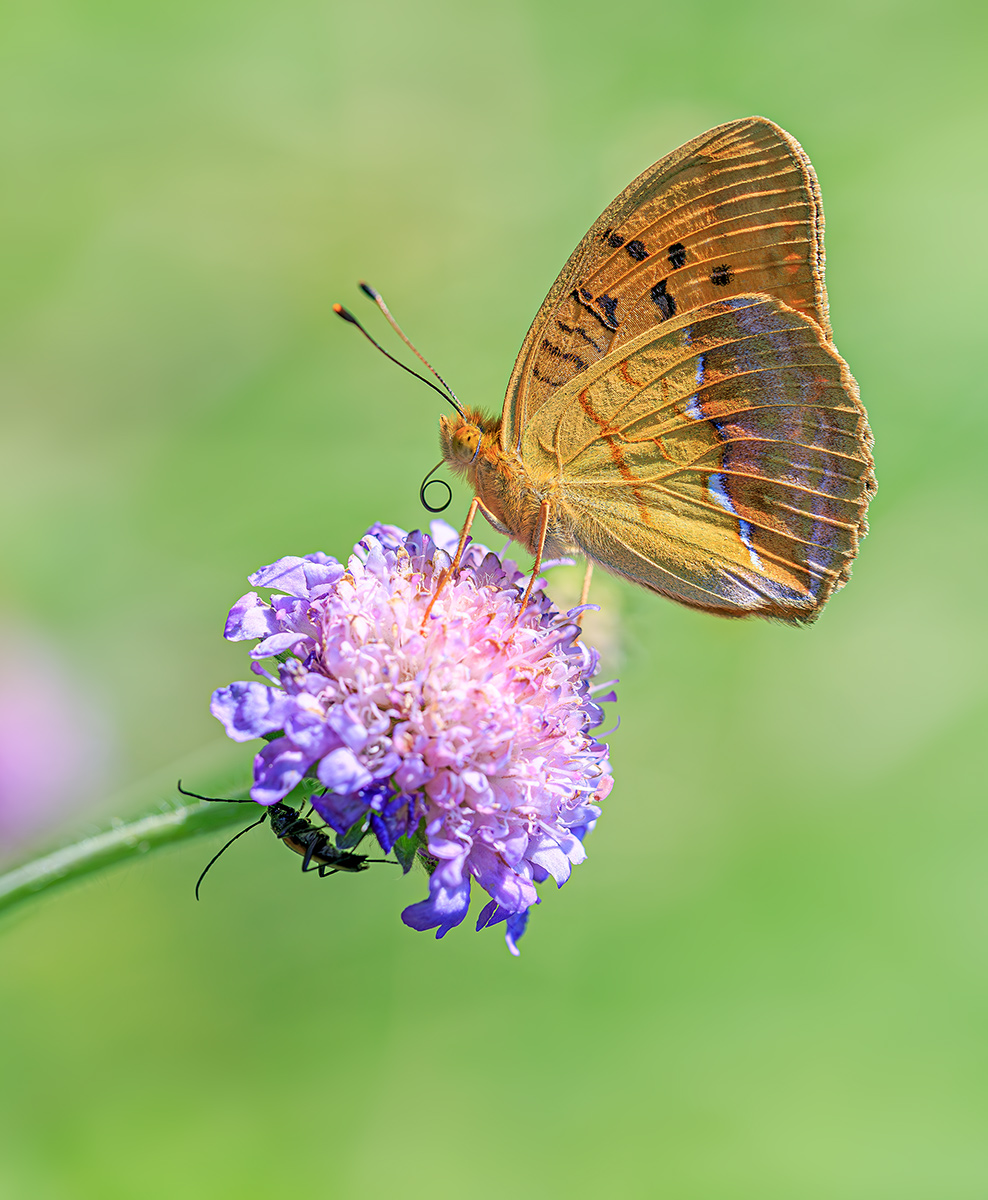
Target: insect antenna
(447,395)
(378,299)
(220,800)
(211,799)
(228,845)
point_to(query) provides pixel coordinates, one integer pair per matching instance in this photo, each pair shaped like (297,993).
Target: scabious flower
(465,736)
(56,743)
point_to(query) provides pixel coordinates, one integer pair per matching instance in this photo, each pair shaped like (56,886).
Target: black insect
(299,834)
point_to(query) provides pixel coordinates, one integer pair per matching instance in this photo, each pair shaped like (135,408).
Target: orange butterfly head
(465,439)
(459,439)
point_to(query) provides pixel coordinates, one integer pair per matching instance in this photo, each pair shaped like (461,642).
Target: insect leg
(454,566)
(585,593)
(465,533)
(543,530)
(311,849)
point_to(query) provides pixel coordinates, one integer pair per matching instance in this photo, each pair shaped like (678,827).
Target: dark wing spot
(609,305)
(637,250)
(721,276)
(584,298)
(677,255)
(579,333)
(545,379)
(557,353)
(615,240)
(662,300)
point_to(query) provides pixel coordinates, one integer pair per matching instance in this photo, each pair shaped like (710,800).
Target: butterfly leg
(454,566)
(540,547)
(588,576)
(465,533)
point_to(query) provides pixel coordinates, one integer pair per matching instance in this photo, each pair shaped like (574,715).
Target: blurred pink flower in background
(56,744)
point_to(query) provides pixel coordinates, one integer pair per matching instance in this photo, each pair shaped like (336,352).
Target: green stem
(121,841)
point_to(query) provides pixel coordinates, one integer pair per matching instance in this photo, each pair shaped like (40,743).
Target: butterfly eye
(466,442)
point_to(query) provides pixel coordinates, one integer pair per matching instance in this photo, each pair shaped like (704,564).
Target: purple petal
(412,773)
(581,831)
(297,576)
(347,728)
(250,710)
(516,926)
(250,617)
(486,915)
(394,819)
(310,732)
(444,536)
(549,855)
(384,831)
(342,772)
(390,536)
(277,769)
(277,644)
(339,811)
(446,907)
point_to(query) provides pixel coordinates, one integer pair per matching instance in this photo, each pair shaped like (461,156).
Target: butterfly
(678,412)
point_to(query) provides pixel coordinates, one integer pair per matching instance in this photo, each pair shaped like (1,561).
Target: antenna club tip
(342,312)
(366,288)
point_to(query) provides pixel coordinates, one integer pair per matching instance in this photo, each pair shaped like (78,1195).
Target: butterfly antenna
(223,849)
(378,299)
(348,316)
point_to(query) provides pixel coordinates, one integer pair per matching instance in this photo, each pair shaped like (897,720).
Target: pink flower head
(469,741)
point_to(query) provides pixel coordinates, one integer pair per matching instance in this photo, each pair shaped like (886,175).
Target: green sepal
(309,784)
(406,849)
(354,835)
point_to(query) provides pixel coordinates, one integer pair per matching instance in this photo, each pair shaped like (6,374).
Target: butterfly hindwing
(735,211)
(721,459)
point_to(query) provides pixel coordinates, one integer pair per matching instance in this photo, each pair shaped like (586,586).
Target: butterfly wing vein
(721,458)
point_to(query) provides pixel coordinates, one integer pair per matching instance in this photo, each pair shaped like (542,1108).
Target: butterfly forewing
(721,459)
(736,211)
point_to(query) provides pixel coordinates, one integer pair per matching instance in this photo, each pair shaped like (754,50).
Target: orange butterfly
(678,412)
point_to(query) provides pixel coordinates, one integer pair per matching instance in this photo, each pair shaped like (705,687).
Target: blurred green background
(770,979)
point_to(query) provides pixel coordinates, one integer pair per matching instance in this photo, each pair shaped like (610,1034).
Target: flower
(464,735)
(56,742)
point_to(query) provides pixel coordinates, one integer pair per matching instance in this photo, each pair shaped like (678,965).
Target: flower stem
(123,840)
